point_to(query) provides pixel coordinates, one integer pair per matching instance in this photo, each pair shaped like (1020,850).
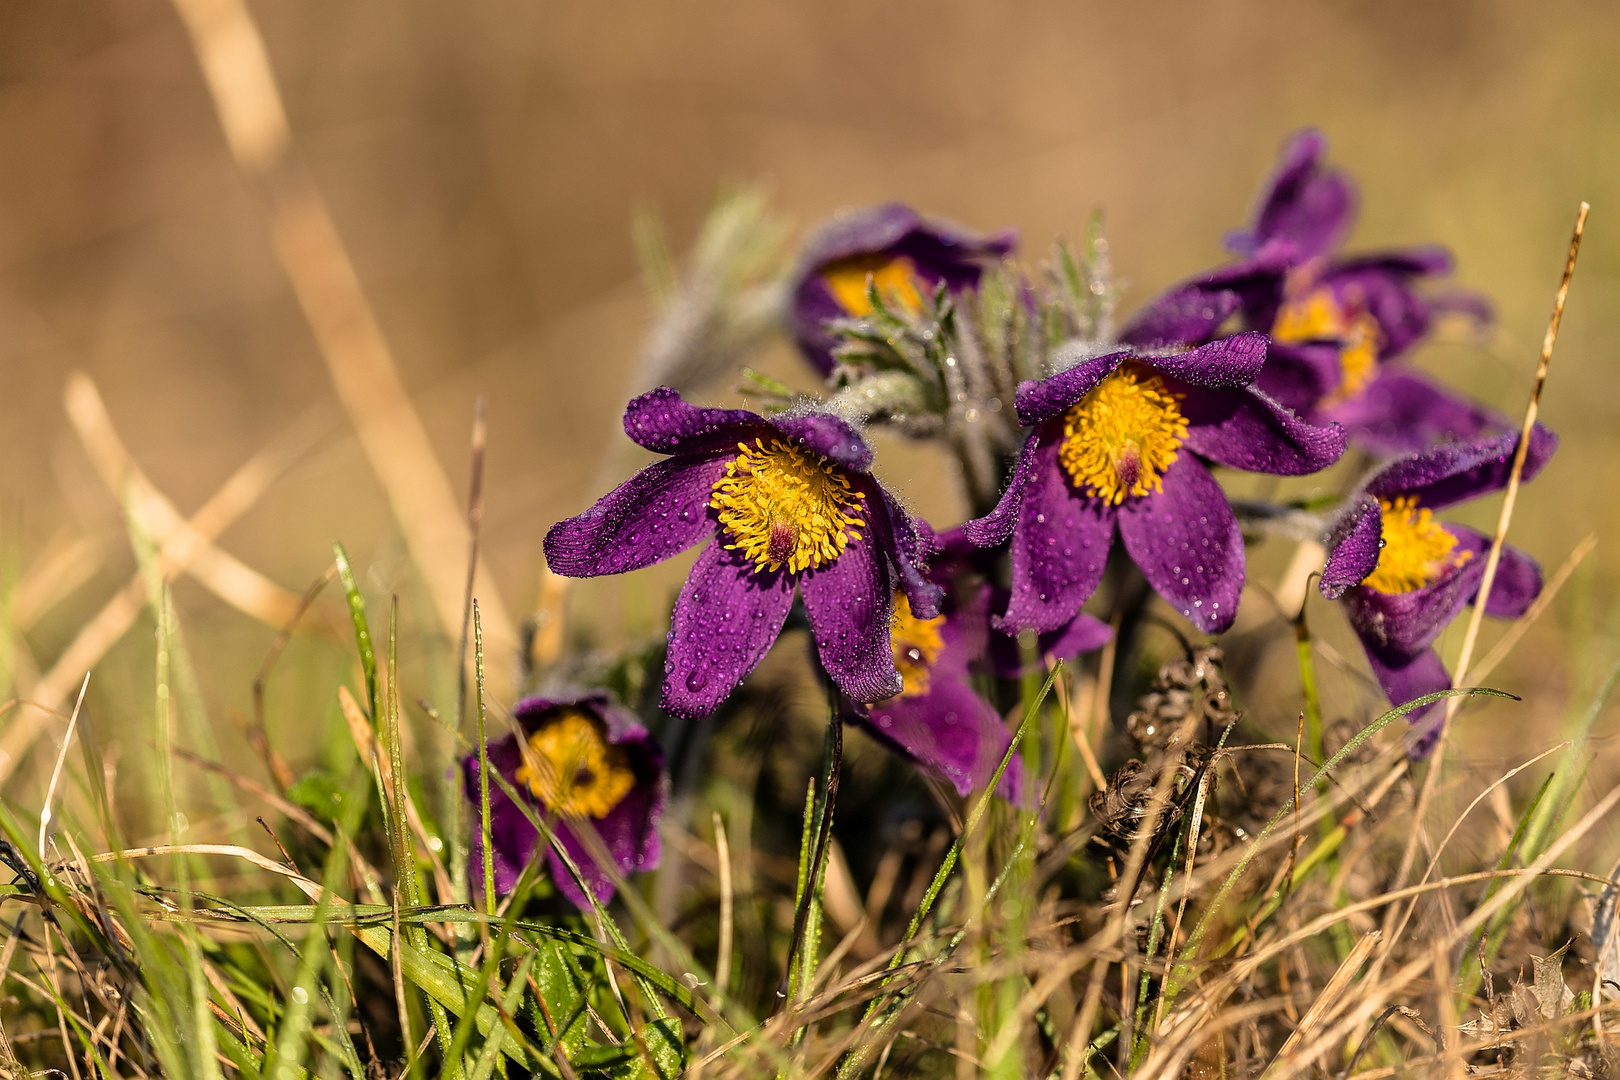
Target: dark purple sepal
(1082,634)
(1299,376)
(657,513)
(661,420)
(1227,364)
(1187,542)
(1304,206)
(996,527)
(1042,399)
(726,618)
(908,541)
(849,602)
(1453,472)
(1403,412)
(1353,545)
(1244,429)
(952,731)
(833,437)
(1405,678)
(1059,545)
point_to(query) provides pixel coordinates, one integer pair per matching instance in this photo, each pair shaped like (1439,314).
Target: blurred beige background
(482,161)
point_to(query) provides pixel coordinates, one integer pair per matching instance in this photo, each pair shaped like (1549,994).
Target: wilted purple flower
(584,759)
(906,257)
(1404,576)
(1334,322)
(1121,440)
(785,502)
(938,720)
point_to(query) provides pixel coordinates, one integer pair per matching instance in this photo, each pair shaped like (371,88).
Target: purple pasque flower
(1403,575)
(937,719)
(1335,322)
(903,254)
(1121,442)
(584,759)
(786,502)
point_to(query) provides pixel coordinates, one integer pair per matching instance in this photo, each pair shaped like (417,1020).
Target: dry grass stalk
(237,69)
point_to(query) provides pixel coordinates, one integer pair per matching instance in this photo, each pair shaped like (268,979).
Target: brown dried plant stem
(237,69)
(1395,920)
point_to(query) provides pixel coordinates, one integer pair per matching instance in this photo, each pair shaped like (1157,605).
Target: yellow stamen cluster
(896,281)
(917,644)
(572,768)
(1417,549)
(1120,438)
(786,506)
(1319,316)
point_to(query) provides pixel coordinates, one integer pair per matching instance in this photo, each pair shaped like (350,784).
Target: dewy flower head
(1404,575)
(584,761)
(903,255)
(1335,322)
(1121,441)
(785,503)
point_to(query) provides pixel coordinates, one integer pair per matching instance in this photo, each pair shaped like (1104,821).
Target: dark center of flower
(783,505)
(895,279)
(1417,550)
(571,768)
(1120,438)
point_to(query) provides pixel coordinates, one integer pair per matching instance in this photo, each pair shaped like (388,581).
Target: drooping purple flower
(785,503)
(1335,322)
(1403,575)
(938,720)
(903,254)
(583,759)
(1121,441)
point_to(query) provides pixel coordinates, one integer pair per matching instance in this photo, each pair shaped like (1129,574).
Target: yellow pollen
(786,506)
(1417,549)
(1120,438)
(574,770)
(917,644)
(896,281)
(1319,316)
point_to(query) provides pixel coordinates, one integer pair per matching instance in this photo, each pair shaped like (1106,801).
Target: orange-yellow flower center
(895,279)
(1319,316)
(783,505)
(1417,549)
(572,768)
(1120,438)
(917,644)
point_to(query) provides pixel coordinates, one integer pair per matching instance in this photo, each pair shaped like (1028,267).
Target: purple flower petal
(659,512)
(1408,622)
(1187,542)
(1353,546)
(1403,412)
(1298,377)
(1454,472)
(725,621)
(953,731)
(1082,634)
(661,420)
(1407,678)
(849,604)
(1042,399)
(1186,315)
(997,526)
(1304,205)
(828,435)
(1382,285)
(1059,548)
(1518,576)
(902,537)
(1226,364)
(1246,430)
